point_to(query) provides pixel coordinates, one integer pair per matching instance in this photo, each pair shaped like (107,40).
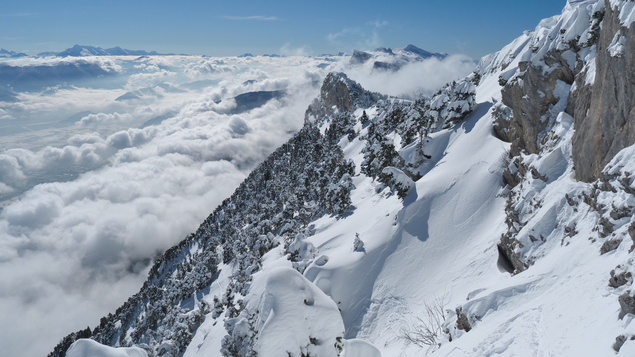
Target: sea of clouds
(90,193)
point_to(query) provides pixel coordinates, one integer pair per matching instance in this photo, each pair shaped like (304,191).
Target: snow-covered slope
(445,226)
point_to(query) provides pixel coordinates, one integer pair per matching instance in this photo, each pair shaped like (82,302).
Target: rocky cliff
(584,59)
(579,64)
(603,102)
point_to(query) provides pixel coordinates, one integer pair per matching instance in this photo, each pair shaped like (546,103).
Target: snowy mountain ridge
(10,54)
(388,59)
(83,50)
(456,225)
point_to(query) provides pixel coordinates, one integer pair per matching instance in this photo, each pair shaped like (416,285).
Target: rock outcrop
(595,53)
(339,94)
(529,96)
(604,109)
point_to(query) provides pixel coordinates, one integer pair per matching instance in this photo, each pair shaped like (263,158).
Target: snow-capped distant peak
(384,58)
(83,50)
(11,54)
(423,53)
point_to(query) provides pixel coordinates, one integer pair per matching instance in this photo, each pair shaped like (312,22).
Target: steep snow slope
(454,242)
(422,248)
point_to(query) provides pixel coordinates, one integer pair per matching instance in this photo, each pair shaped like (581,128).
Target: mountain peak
(84,50)
(338,94)
(7,53)
(384,58)
(423,53)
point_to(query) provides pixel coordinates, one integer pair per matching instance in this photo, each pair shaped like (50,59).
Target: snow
(556,33)
(589,78)
(440,241)
(292,304)
(370,288)
(616,48)
(359,348)
(627,11)
(622,161)
(207,340)
(399,176)
(90,348)
(538,313)
(365,279)
(305,249)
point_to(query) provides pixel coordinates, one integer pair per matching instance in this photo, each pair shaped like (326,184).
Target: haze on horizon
(283,27)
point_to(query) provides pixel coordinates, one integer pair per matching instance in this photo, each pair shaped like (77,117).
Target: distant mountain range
(81,50)
(10,54)
(384,58)
(401,55)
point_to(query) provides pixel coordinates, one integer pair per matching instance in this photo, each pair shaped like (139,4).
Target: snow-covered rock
(90,348)
(299,319)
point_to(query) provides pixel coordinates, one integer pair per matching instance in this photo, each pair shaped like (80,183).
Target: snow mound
(359,348)
(300,318)
(91,348)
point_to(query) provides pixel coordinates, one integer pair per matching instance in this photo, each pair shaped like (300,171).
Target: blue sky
(231,28)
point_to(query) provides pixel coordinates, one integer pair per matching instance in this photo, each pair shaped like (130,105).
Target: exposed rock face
(529,96)
(604,111)
(620,279)
(338,94)
(334,94)
(602,102)
(384,66)
(627,304)
(423,53)
(360,57)
(462,322)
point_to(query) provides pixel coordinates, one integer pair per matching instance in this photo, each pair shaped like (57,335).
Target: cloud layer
(95,197)
(75,247)
(416,78)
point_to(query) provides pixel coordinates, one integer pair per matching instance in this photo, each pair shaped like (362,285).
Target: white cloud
(5,189)
(257,18)
(60,103)
(413,79)
(207,66)
(145,80)
(11,173)
(74,250)
(379,23)
(361,38)
(288,50)
(18,165)
(95,119)
(33,213)
(108,64)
